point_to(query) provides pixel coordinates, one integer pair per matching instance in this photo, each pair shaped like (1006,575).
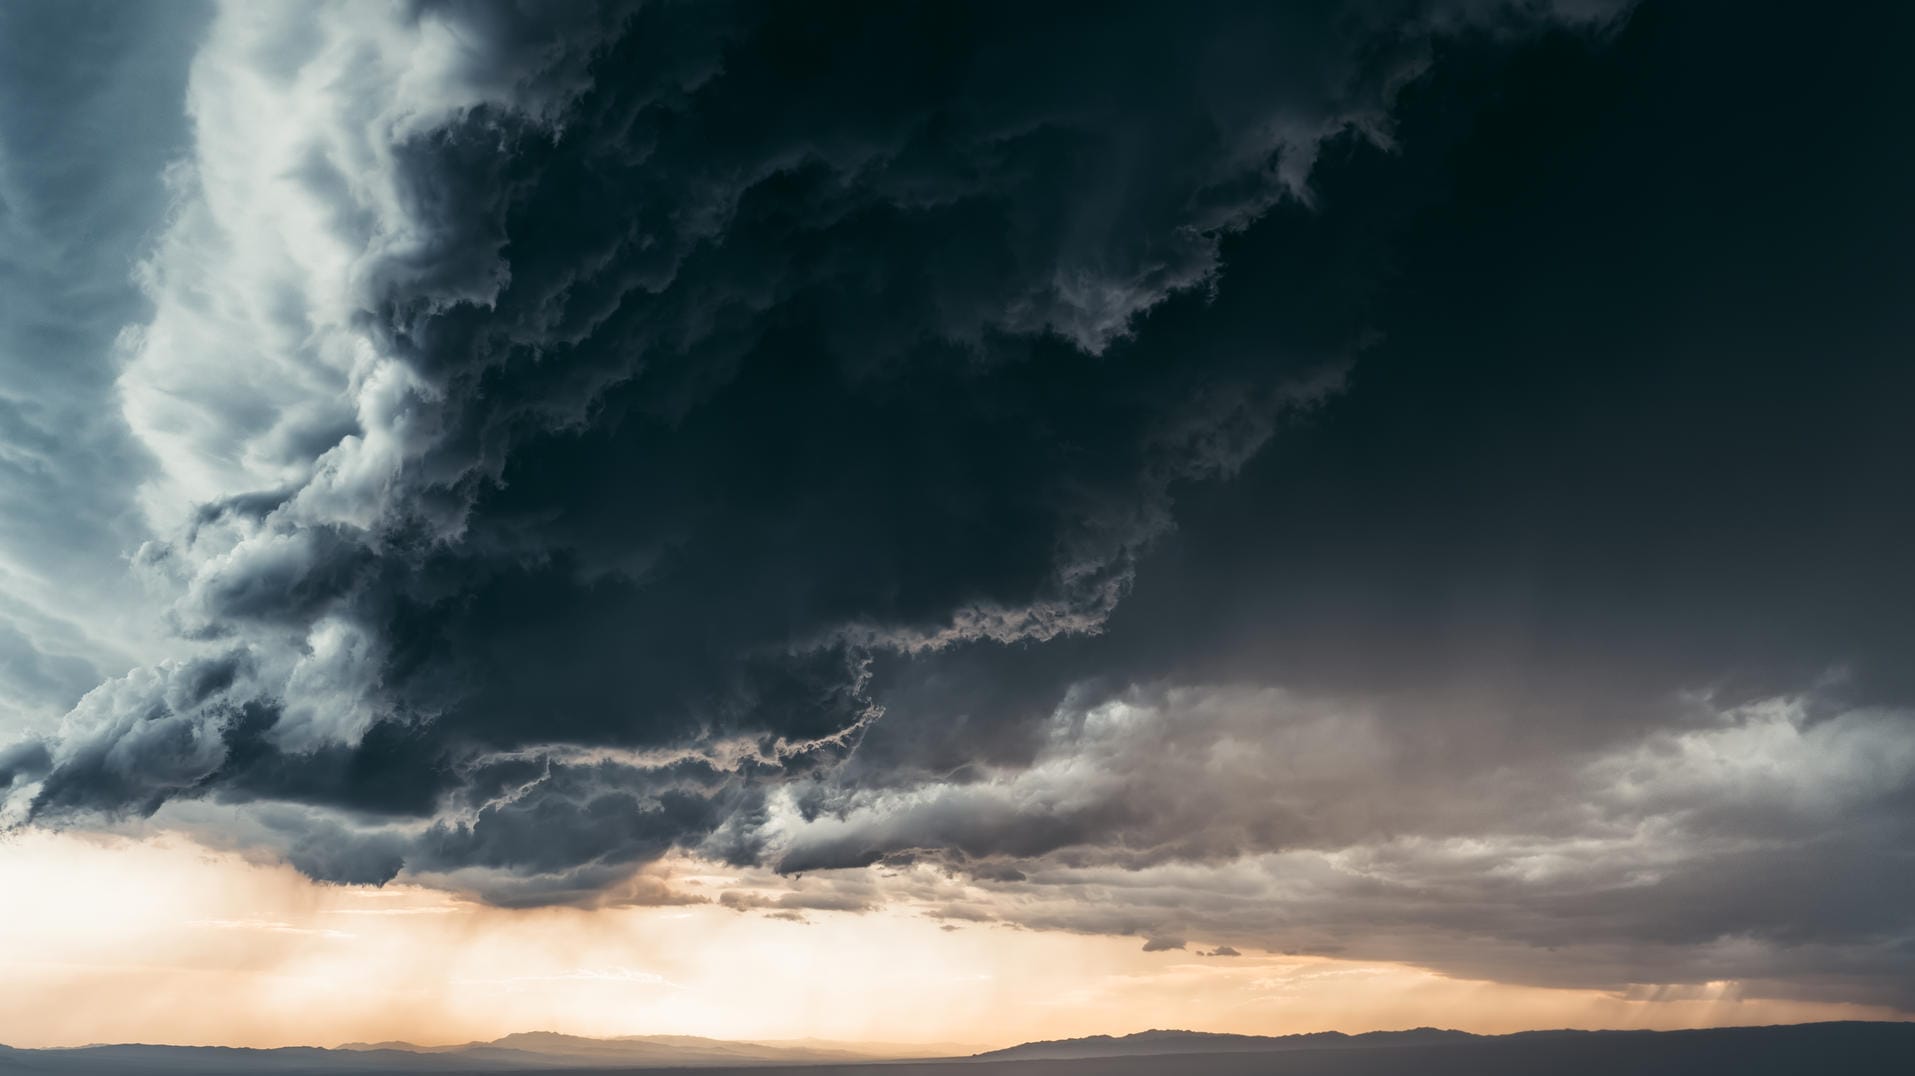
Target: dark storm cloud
(1599,452)
(1594,576)
(1414,481)
(710,374)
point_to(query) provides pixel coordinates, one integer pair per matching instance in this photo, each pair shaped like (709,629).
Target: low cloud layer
(1419,481)
(1753,845)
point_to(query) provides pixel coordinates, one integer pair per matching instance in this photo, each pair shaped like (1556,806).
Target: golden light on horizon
(160,940)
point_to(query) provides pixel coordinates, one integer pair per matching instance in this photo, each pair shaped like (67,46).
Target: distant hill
(646,1050)
(1152,1043)
(1839,1049)
(1836,1048)
(526,1051)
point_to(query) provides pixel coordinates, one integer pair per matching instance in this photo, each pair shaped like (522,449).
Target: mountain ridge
(517,1052)
(1174,1041)
(673,1048)
(1853,1047)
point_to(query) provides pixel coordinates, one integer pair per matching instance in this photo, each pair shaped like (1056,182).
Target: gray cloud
(1734,848)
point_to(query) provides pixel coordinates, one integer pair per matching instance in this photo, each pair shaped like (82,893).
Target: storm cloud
(1417,480)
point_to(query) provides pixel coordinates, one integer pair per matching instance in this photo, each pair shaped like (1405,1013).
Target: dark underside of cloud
(1360,430)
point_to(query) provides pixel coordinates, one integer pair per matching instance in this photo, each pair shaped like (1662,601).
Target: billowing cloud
(1412,480)
(523,384)
(1292,825)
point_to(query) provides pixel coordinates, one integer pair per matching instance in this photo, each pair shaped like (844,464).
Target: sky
(936,523)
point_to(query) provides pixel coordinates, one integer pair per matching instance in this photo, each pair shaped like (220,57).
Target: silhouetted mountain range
(1840,1049)
(525,1051)
(1204,1042)
(648,1050)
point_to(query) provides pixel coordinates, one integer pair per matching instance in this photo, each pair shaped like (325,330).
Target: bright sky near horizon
(116,940)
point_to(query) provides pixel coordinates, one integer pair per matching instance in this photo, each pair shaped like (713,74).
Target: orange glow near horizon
(110,940)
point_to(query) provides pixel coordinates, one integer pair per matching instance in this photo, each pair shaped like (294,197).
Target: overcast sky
(1420,486)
